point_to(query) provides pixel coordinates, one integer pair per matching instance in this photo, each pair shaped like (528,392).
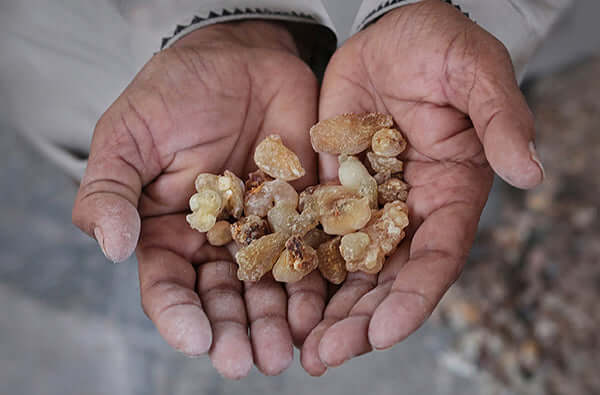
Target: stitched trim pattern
(239,13)
(384,6)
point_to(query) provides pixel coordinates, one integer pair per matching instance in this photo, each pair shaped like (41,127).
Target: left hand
(201,106)
(451,89)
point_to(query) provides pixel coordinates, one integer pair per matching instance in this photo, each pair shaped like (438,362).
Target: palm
(427,83)
(202,107)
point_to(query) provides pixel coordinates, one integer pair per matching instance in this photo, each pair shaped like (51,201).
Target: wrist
(250,34)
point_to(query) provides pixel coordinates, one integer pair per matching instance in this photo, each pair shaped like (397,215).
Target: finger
(266,304)
(309,354)
(339,95)
(487,90)
(348,337)
(449,136)
(356,285)
(220,292)
(306,302)
(171,191)
(120,163)
(344,88)
(328,168)
(436,259)
(167,286)
(291,111)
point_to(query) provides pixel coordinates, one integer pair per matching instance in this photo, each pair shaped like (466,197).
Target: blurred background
(523,319)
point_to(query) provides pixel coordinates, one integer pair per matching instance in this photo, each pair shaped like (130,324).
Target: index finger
(168,280)
(446,230)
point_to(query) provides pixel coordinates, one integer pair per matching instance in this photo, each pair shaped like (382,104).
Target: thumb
(106,204)
(340,95)
(498,110)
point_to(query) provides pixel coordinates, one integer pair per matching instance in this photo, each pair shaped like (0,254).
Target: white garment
(62,63)
(519,24)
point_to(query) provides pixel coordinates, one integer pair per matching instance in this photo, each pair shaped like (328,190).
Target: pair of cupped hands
(204,104)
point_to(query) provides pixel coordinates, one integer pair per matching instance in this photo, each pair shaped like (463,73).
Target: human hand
(201,106)
(451,89)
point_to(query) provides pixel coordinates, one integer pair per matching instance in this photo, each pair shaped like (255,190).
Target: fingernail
(100,239)
(535,157)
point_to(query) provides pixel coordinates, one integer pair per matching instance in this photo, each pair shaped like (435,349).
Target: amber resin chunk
(277,160)
(256,179)
(391,190)
(353,246)
(331,263)
(341,210)
(338,229)
(258,258)
(220,234)
(261,199)
(381,164)
(248,229)
(298,260)
(347,134)
(385,231)
(216,197)
(388,143)
(355,176)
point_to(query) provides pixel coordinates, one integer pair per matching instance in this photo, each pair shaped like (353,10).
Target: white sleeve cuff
(520,25)
(309,12)
(211,12)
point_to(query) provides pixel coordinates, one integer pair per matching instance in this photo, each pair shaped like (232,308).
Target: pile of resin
(333,228)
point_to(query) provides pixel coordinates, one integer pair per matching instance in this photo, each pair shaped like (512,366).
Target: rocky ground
(525,311)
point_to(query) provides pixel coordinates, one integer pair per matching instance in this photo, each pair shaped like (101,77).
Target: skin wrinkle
(203,145)
(244,123)
(465,175)
(153,156)
(163,286)
(163,164)
(188,64)
(176,304)
(357,290)
(360,86)
(182,294)
(221,290)
(303,292)
(379,103)
(224,108)
(365,305)
(157,245)
(126,161)
(92,185)
(423,216)
(442,167)
(207,254)
(425,301)
(135,144)
(483,134)
(159,208)
(101,192)
(168,282)
(356,282)
(269,301)
(219,321)
(156,199)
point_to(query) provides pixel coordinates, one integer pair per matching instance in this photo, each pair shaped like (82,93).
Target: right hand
(201,106)
(450,88)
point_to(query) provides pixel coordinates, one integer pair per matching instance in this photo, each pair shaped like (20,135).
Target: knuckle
(161,295)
